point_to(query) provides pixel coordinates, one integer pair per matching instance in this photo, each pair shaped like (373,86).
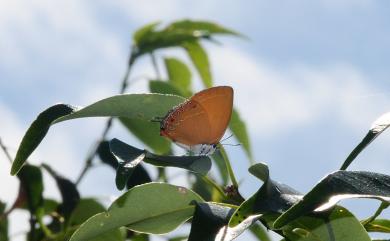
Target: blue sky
(309,81)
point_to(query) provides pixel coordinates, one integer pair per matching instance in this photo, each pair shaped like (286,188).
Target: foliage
(213,203)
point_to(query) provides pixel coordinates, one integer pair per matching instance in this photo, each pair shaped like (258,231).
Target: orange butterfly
(199,123)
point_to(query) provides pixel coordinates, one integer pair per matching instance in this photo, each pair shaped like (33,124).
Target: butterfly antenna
(228,144)
(226,138)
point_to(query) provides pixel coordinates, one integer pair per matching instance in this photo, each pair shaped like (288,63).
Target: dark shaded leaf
(198,164)
(378,225)
(150,208)
(69,193)
(139,176)
(36,132)
(208,219)
(179,75)
(128,158)
(238,128)
(379,126)
(106,156)
(335,187)
(272,197)
(31,179)
(200,60)
(158,86)
(3,223)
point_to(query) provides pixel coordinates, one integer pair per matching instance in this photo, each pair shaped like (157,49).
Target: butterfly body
(199,123)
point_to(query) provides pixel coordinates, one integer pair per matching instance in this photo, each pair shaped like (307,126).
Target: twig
(4,148)
(95,146)
(155,66)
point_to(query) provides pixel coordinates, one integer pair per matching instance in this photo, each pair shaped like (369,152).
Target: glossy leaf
(150,208)
(335,187)
(138,106)
(36,132)
(179,75)
(379,126)
(208,219)
(238,128)
(272,197)
(200,60)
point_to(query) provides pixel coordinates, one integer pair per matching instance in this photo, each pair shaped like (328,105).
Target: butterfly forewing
(218,103)
(201,120)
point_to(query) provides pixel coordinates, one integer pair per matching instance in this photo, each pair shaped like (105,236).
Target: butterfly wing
(201,120)
(187,124)
(218,104)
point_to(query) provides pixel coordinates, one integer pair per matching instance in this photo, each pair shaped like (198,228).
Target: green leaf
(338,224)
(143,32)
(37,132)
(221,165)
(162,87)
(335,187)
(200,60)
(138,106)
(69,193)
(31,180)
(3,223)
(150,208)
(204,26)
(379,126)
(85,209)
(179,75)
(208,219)
(198,164)
(149,39)
(378,225)
(272,197)
(238,127)
(259,232)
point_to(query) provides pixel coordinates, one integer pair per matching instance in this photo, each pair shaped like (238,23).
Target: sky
(309,81)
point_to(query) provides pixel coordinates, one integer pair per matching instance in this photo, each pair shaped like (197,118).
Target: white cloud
(273,99)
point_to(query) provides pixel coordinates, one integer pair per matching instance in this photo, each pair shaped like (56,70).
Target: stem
(378,212)
(228,166)
(95,146)
(4,148)
(215,185)
(155,66)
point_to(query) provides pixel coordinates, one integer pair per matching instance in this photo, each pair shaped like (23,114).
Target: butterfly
(199,123)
